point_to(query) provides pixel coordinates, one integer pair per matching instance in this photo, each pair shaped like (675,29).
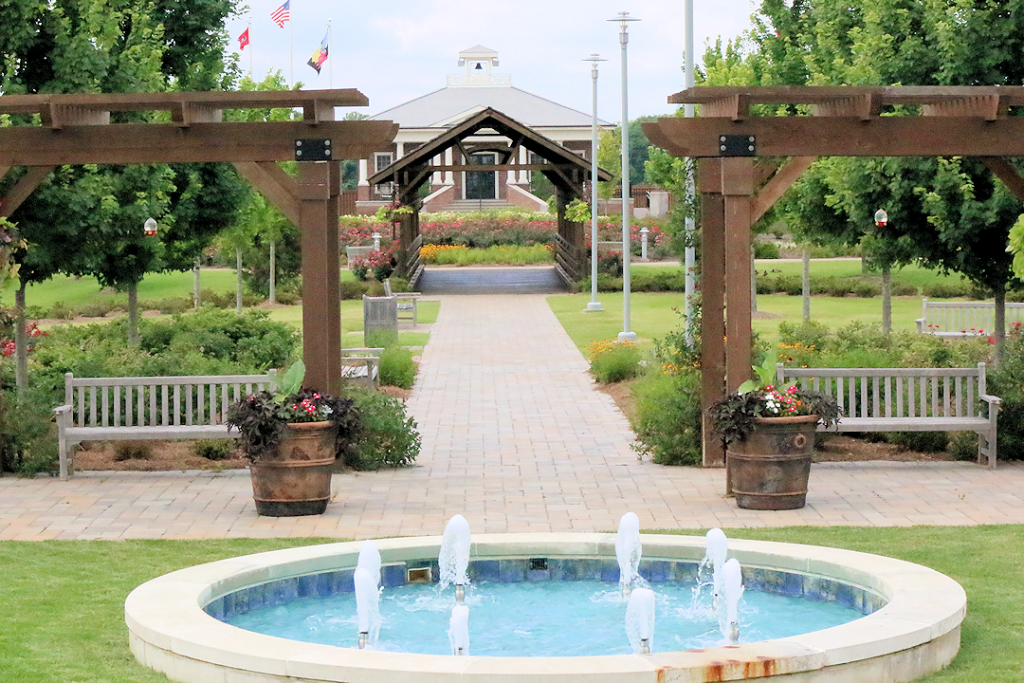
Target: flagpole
(291,50)
(248,28)
(330,54)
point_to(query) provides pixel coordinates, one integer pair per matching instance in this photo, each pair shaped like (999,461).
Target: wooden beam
(864,106)
(190,112)
(712,293)
(738,188)
(888,95)
(21,191)
(734,107)
(913,136)
(777,186)
(56,116)
(281,192)
(988,107)
(201,142)
(1006,172)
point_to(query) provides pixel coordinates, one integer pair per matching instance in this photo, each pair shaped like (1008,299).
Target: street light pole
(594,304)
(689,258)
(626,334)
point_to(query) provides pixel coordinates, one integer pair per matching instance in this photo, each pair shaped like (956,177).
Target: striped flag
(320,56)
(282,14)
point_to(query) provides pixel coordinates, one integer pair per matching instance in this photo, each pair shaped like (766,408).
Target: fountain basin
(916,632)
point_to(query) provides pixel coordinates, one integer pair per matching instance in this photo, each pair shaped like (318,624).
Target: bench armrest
(920,325)
(991,400)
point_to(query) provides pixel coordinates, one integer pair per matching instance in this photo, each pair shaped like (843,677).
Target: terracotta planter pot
(769,469)
(295,480)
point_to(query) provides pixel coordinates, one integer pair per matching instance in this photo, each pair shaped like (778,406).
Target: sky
(396,51)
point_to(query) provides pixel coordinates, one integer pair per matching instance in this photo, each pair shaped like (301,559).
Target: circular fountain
(912,625)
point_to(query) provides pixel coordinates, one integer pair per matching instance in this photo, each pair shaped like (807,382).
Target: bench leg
(65,460)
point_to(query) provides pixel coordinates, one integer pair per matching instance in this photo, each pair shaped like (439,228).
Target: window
(382,160)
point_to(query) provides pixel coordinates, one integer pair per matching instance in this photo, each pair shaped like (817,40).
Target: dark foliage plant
(736,415)
(261,419)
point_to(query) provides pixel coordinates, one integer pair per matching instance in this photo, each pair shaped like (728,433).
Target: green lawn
(63,617)
(652,315)
(843,267)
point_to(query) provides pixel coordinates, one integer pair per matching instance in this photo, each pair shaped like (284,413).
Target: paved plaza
(516,437)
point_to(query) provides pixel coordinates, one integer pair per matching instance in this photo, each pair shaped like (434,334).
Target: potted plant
(292,438)
(768,432)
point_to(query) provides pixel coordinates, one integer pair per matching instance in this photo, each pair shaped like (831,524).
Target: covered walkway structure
(747,162)
(489,131)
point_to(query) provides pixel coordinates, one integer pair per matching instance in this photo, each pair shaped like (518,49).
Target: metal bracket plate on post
(736,145)
(313,150)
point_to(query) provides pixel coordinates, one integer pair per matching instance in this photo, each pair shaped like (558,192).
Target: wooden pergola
(77,129)
(746,163)
(490,130)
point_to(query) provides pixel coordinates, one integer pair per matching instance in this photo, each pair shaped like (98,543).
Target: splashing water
(717,546)
(369,559)
(458,630)
(454,556)
(640,621)
(628,551)
(367,605)
(732,583)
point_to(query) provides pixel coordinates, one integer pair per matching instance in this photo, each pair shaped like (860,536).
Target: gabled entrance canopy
(77,129)
(567,170)
(833,121)
(491,131)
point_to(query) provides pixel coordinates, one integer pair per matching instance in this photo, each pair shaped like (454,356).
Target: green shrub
(380,339)
(96,309)
(946,290)
(963,445)
(901,289)
(353,289)
(397,368)
(168,306)
(660,280)
(613,361)
(766,250)
(28,444)
(214,449)
(866,289)
(387,435)
(132,450)
(62,311)
(922,442)
(668,417)
(1007,382)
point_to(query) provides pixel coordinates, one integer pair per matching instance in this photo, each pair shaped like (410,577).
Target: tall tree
(945,213)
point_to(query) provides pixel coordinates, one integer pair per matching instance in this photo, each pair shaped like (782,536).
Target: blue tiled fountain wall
(554,569)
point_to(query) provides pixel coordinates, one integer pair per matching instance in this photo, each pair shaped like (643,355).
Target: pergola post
(738,189)
(319,185)
(712,290)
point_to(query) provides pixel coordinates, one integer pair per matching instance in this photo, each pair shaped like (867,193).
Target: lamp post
(626,335)
(689,257)
(594,304)
(881,220)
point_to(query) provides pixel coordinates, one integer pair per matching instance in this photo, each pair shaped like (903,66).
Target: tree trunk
(238,280)
(273,274)
(999,333)
(20,340)
(805,288)
(886,298)
(196,292)
(133,313)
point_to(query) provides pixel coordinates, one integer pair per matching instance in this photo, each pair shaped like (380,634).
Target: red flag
(243,39)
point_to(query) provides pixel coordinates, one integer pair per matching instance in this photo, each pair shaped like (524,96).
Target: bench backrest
(966,316)
(356,254)
(157,401)
(895,392)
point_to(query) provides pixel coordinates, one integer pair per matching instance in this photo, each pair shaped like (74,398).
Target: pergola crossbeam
(25,186)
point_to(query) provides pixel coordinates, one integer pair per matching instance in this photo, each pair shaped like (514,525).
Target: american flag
(281,14)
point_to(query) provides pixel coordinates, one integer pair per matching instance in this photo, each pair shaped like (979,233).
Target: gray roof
(451,105)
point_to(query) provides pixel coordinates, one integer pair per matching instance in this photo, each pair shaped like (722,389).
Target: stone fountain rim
(169,631)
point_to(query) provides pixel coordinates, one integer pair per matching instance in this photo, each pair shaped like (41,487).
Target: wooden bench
(362,365)
(407,302)
(955,319)
(149,408)
(906,400)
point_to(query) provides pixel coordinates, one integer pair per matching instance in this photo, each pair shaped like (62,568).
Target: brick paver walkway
(516,438)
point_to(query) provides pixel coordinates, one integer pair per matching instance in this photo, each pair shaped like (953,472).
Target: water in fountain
(732,586)
(454,556)
(714,556)
(369,559)
(628,551)
(640,621)
(458,630)
(367,607)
